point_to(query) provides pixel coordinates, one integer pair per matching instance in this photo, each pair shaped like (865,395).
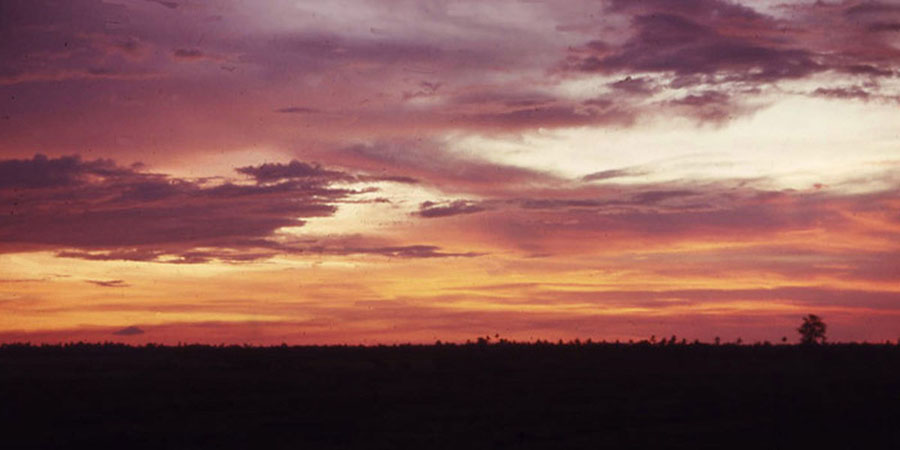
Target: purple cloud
(612,174)
(98,210)
(272,172)
(432,209)
(297,110)
(843,93)
(188,53)
(677,44)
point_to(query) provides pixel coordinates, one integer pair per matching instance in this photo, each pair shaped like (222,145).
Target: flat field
(450,396)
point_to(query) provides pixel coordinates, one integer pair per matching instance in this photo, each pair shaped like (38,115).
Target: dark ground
(460,397)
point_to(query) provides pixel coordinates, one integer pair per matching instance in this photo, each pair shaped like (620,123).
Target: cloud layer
(417,70)
(98,210)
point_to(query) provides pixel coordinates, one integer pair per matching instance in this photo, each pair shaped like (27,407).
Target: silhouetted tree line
(812,332)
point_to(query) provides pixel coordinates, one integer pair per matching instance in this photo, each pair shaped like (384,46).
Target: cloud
(677,44)
(456,207)
(188,53)
(145,255)
(132,48)
(387,178)
(129,331)
(394,111)
(346,245)
(664,312)
(884,27)
(800,262)
(331,48)
(562,220)
(556,115)
(843,93)
(611,174)
(615,200)
(871,9)
(297,110)
(77,42)
(92,73)
(296,170)
(98,210)
(430,162)
(167,4)
(407,251)
(709,106)
(399,77)
(253,250)
(635,86)
(718,55)
(428,89)
(109,283)
(272,172)
(663,299)
(43,172)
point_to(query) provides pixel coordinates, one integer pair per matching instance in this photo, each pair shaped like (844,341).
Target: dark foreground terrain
(447,396)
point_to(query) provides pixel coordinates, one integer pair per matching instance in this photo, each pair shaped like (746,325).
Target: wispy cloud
(129,331)
(109,283)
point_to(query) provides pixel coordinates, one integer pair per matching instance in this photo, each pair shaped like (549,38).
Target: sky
(390,171)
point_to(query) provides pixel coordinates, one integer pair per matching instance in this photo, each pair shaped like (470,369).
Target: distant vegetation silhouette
(812,331)
(491,393)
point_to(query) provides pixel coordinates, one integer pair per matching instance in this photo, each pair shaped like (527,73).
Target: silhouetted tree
(812,331)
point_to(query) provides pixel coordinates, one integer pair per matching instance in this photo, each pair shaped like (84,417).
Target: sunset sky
(381,171)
